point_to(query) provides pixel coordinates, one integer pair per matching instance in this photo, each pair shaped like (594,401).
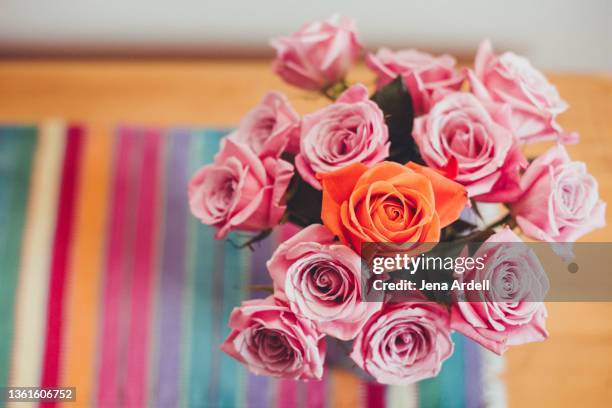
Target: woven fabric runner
(107,284)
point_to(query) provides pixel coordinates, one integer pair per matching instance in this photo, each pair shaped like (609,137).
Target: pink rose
(512,79)
(270,128)
(269,339)
(560,200)
(239,191)
(427,77)
(318,55)
(404,343)
(464,136)
(321,280)
(351,130)
(508,314)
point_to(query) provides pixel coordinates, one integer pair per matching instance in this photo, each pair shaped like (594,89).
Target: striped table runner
(108,284)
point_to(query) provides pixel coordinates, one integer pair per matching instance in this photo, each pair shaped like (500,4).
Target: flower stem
(507,219)
(265,288)
(333,91)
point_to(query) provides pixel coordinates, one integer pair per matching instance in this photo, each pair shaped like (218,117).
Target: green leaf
(396,103)
(251,240)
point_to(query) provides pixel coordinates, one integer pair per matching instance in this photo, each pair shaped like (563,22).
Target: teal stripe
(242,374)
(232,294)
(202,351)
(451,377)
(17,146)
(445,390)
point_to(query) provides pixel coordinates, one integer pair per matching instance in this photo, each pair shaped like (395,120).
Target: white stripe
(33,281)
(494,391)
(402,396)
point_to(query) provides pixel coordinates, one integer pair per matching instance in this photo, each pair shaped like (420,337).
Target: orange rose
(389,203)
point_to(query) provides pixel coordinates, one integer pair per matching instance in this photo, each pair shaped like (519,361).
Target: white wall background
(555,34)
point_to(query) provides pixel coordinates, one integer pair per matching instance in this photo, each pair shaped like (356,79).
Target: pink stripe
(115,271)
(286,393)
(316,392)
(143,272)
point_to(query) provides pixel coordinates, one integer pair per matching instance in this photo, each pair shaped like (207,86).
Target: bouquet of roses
(399,165)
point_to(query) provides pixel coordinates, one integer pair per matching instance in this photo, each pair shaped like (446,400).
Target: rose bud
(475,137)
(511,79)
(427,77)
(404,343)
(389,203)
(351,130)
(239,191)
(321,280)
(270,128)
(271,340)
(512,311)
(560,201)
(318,55)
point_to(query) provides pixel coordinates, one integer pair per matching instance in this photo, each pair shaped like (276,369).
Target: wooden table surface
(574,367)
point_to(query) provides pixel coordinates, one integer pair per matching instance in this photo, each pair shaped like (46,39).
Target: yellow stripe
(86,266)
(346,389)
(31,303)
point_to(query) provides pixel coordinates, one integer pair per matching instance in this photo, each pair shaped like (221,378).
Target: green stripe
(16,151)
(202,288)
(429,393)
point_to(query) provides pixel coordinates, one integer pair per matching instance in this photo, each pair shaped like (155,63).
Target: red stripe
(143,272)
(375,395)
(59,261)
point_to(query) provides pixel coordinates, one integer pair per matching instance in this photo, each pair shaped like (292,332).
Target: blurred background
(554,34)
(164,79)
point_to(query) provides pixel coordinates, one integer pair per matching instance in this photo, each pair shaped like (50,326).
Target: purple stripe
(173,271)
(472,373)
(258,394)
(258,386)
(217,310)
(260,255)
